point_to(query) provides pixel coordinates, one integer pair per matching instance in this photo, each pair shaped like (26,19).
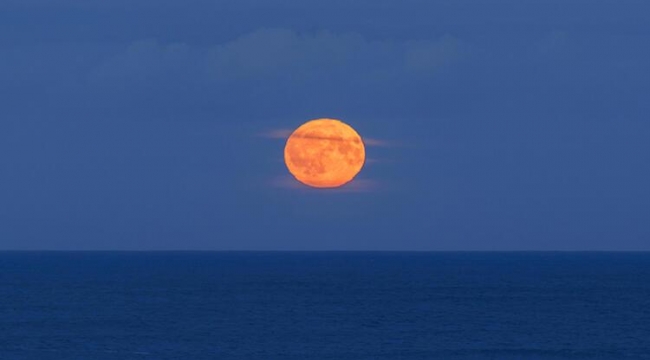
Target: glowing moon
(324,153)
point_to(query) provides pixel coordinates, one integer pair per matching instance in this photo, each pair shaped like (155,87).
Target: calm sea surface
(192,306)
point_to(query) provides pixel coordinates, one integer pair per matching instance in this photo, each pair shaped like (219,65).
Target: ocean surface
(328,305)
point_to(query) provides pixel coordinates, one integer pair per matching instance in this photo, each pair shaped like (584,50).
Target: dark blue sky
(511,125)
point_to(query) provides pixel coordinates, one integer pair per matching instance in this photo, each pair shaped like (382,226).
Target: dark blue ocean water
(339,306)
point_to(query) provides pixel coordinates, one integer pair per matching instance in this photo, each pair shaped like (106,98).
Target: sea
(324,305)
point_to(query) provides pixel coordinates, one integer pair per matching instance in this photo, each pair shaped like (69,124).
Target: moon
(324,153)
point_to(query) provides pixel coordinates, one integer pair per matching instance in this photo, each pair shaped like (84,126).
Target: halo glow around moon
(324,153)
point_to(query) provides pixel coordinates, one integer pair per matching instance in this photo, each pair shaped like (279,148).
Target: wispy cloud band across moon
(285,133)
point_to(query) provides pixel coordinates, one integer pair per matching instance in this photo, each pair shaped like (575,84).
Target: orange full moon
(324,153)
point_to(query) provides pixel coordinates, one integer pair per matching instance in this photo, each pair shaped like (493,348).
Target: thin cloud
(276,134)
(354,186)
(377,142)
(273,51)
(285,133)
(370,161)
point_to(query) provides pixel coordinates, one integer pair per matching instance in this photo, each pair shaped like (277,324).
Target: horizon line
(317,251)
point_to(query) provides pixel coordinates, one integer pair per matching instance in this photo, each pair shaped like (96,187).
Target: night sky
(492,125)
